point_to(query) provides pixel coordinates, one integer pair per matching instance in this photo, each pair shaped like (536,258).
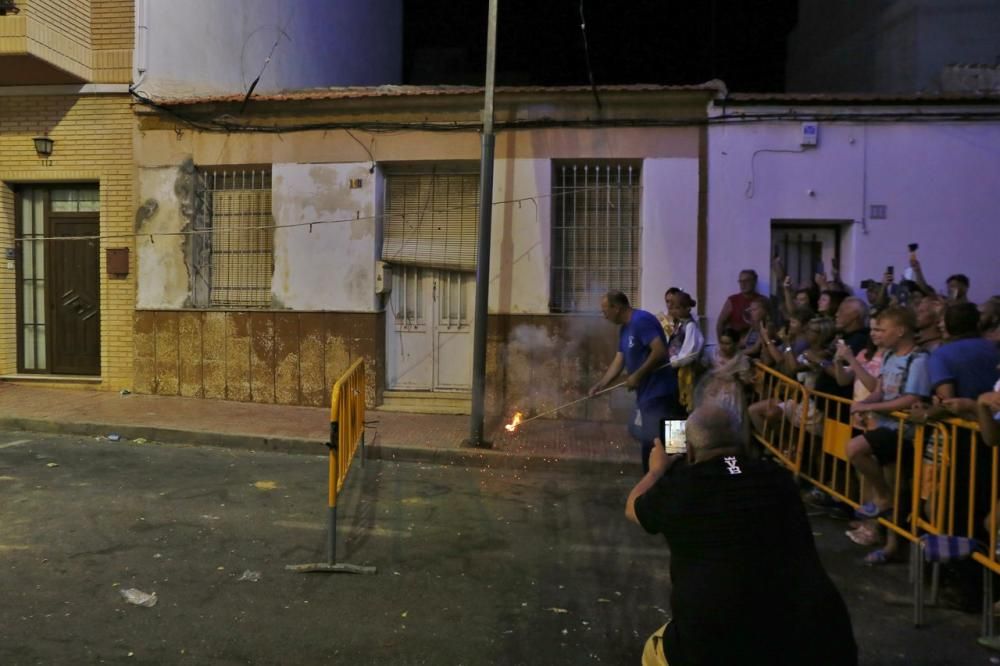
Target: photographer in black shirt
(748,585)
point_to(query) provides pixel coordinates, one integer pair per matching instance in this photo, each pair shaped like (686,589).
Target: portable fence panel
(347,419)
(784,437)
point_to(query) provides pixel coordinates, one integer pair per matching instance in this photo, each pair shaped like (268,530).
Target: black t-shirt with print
(748,585)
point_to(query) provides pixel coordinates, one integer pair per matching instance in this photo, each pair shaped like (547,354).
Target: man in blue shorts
(642,352)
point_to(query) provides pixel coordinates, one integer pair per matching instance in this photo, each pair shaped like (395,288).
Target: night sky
(539,42)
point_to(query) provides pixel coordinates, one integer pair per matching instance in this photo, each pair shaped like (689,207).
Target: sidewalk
(573,446)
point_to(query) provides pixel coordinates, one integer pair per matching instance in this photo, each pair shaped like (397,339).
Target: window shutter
(431,220)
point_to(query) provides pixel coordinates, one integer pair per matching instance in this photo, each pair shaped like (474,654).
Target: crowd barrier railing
(945,481)
(782,437)
(347,437)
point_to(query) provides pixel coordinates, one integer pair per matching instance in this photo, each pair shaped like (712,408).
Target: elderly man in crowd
(748,585)
(735,313)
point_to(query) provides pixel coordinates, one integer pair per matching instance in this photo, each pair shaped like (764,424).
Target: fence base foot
(323,567)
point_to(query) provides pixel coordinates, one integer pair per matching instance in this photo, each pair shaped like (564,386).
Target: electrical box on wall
(383,277)
(117,261)
(810,134)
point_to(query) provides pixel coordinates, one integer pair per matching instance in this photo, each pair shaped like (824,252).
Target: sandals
(870,510)
(864,535)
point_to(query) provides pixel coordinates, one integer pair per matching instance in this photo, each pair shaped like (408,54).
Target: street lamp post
(483,254)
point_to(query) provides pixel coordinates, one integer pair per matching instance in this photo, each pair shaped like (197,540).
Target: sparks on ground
(512,426)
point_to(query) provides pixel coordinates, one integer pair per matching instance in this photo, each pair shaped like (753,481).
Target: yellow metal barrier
(347,435)
(783,436)
(946,481)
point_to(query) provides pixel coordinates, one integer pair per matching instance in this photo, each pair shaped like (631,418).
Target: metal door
(74,297)
(429,329)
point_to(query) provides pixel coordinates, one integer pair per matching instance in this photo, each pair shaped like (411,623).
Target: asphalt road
(474,566)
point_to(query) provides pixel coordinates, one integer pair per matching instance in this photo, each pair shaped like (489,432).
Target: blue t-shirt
(902,375)
(969,363)
(634,340)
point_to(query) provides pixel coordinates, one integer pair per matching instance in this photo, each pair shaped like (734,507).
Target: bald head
(852,315)
(712,430)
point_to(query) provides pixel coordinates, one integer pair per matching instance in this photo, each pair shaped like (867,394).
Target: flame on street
(512,426)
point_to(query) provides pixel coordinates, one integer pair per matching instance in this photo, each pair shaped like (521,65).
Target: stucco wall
(669,229)
(163,275)
(331,266)
(938,182)
(193,47)
(522,236)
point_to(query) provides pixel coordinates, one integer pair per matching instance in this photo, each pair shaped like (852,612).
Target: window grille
(595,233)
(431,220)
(236,208)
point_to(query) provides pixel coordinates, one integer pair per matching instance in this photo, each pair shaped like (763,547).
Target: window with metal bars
(235,252)
(595,233)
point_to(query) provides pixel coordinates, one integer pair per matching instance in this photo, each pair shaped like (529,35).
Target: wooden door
(74,296)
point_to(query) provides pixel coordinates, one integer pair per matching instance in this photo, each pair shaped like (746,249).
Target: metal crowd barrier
(946,481)
(347,436)
(783,438)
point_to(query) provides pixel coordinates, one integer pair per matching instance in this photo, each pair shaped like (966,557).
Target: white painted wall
(937,180)
(521,242)
(163,281)
(199,47)
(333,266)
(669,229)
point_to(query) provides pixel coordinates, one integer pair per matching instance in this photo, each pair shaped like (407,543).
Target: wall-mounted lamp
(8,7)
(43,146)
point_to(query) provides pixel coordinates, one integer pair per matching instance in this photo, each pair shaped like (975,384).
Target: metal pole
(483,254)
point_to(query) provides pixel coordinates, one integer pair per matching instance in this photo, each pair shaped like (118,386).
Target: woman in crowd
(753,342)
(685,346)
(808,366)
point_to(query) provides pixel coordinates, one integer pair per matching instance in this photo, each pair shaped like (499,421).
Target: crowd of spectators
(889,348)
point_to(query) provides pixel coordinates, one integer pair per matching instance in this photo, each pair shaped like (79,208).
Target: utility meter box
(383,277)
(810,134)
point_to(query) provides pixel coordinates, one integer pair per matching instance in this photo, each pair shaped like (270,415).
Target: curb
(457,457)
(170,435)
(488,459)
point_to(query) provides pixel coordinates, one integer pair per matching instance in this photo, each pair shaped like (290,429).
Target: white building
(199,47)
(884,172)
(888,46)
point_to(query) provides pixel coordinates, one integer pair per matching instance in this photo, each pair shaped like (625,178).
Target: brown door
(74,296)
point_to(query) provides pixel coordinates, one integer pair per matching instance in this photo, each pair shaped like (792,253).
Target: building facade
(849,179)
(66,192)
(328,225)
(70,71)
(888,46)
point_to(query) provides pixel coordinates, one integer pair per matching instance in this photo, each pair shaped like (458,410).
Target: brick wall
(93,142)
(113,32)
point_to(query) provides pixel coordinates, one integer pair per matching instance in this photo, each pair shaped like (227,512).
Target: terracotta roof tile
(714,86)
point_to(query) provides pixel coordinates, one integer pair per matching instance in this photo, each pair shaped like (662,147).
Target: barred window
(237,248)
(595,233)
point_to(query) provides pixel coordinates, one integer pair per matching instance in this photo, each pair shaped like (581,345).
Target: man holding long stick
(642,351)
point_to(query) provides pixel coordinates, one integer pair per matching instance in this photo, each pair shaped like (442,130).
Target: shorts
(884,444)
(652,653)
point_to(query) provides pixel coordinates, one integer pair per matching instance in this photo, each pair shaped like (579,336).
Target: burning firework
(512,426)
